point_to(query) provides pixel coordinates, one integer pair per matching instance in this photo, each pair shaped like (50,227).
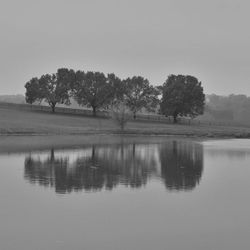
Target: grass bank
(21,122)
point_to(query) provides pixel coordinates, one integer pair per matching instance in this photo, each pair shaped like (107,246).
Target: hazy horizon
(154,39)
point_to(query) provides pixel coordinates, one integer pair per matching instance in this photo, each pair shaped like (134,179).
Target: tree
(53,89)
(182,96)
(117,89)
(119,114)
(140,94)
(93,89)
(32,91)
(66,77)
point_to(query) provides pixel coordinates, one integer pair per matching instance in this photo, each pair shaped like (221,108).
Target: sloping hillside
(14,121)
(28,122)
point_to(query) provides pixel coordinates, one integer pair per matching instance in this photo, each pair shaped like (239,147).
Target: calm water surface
(175,195)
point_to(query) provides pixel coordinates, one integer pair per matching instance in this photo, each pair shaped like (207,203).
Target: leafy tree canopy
(94,90)
(182,96)
(32,90)
(52,88)
(117,88)
(140,94)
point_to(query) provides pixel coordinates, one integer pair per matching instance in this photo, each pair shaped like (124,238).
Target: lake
(177,194)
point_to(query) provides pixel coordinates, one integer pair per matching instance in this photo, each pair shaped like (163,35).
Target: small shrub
(120,114)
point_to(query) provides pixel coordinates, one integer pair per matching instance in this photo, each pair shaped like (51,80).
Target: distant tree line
(178,96)
(232,108)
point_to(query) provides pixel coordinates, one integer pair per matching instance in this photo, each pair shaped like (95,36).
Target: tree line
(180,95)
(232,108)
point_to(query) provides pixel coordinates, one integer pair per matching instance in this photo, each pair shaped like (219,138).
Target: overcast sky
(152,38)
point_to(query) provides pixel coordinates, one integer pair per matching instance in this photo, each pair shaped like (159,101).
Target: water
(179,194)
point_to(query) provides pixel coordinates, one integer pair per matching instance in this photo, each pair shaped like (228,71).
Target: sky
(152,38)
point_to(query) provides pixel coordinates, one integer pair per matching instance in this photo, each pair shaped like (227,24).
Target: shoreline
(25,143)
(191,134)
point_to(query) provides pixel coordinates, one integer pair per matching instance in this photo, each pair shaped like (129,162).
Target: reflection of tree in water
(181,164)
(50,172)
(105,167)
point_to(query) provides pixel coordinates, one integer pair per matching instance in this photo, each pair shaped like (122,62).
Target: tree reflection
(181,164)
(104,167)
(49,172)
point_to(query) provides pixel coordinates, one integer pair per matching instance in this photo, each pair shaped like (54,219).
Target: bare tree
(120,114)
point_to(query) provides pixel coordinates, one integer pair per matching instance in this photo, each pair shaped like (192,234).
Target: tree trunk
(94,111)
(133,150)
(93,152)
(175,117)
(52,155)
(134,116)
(53,106)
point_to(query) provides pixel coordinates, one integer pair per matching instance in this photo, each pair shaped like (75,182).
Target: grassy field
(20,122)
